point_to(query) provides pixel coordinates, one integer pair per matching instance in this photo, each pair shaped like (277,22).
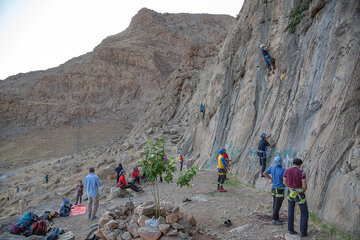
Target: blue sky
(39,34)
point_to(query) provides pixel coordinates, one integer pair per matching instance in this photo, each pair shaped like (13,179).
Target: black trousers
(222,175)
(78,197)
(262,160)
(137,179)
(181,165)
(277,203)
(203,113)
(132,186)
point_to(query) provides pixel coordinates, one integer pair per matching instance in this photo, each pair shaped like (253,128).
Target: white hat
(262,45)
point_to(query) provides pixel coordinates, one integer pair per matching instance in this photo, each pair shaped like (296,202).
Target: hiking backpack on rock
(65,208)
(47,216)
(53,234)
(24,223)
(39,228)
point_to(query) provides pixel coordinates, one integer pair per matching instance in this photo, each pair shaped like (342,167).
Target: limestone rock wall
(310,105)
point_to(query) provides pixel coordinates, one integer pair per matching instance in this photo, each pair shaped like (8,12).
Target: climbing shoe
(222,190)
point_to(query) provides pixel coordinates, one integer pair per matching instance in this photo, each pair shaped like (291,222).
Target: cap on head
(221,151)
(263,135)
(297,162)
(262,45)
(91,169)
(278,161)
(122,171)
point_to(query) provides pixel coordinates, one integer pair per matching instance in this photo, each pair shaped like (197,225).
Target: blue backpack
(65,208)
(24,223)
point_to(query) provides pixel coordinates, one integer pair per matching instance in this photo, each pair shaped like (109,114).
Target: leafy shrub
(296,14)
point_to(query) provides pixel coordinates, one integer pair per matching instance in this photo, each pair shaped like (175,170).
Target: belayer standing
(261,152)
(202,110)
(92,184)
(267,59)
(221,171)
(295,180)
(278,188)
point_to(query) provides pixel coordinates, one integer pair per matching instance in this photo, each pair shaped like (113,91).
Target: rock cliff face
(310,105)
(109,82)
(155,74)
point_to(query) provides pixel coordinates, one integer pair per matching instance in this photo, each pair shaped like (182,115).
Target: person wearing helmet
(267,59)
(124,185)
(202,110)
(278,188)
(261,152)
(221,171)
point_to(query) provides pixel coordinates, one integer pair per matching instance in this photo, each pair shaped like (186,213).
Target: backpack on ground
(53,234)
(39,228)
(24,223)
(65,208)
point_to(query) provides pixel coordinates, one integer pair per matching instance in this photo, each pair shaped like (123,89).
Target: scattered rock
(112,224)
(289,236)
(164,228)
(149,233)
(104,219)
(127,236)
(177,226)
(172,218)
(141,220)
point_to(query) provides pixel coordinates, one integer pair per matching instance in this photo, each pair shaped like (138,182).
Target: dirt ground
(248,209)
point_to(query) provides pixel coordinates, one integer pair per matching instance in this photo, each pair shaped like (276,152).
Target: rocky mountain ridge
(310,105)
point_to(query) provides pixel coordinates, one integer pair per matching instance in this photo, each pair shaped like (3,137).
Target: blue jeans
(304,214)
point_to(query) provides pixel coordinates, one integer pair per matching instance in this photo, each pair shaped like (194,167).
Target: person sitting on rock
(267,59)
(124,185)
(135,175)
(202,110)
(261,152)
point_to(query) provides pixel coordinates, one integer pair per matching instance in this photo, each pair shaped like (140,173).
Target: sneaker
(277,223)
(94,217)
(218,188)
(304,235)
(222,190)
(293,232)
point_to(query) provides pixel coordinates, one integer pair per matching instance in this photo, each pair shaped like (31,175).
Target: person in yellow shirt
(221,170)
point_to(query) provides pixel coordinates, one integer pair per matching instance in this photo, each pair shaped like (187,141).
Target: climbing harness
(293,194)
(278,192)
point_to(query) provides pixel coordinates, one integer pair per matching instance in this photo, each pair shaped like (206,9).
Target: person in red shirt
(124,185)
(295,180)
(135,175)
(181,162)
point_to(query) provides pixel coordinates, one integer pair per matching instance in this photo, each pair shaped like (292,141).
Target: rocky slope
(108,83)
(310,105)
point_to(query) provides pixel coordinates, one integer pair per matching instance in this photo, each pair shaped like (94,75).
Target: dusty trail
(248,209)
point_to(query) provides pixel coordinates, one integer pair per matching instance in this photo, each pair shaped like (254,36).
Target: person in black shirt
(261,152)
(118,170)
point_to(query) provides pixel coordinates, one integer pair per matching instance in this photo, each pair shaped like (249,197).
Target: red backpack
(39,228)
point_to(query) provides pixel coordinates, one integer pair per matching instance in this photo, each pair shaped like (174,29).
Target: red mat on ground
(77,210)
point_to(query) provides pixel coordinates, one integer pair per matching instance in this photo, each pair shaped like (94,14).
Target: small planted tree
(156,166)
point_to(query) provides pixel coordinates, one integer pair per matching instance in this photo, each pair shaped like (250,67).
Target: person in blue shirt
(278,188)
(267,59)
(202,109)
(92,184)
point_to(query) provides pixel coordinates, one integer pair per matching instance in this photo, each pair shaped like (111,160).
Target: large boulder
(116,192)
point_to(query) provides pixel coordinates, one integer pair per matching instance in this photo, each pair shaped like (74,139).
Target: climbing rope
(347,86)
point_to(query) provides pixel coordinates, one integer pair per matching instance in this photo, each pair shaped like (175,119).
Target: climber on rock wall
(267,59)
(202,109)
(261,152)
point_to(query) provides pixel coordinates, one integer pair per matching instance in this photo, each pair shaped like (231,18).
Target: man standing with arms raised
(92,184)
(295,180)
